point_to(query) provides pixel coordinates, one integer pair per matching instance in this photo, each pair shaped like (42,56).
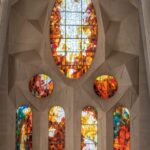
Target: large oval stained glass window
(73,36)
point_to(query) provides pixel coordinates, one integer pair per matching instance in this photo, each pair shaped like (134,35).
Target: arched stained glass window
(24,128)
(56,128)
(73,36)
(89,128)
(121,129)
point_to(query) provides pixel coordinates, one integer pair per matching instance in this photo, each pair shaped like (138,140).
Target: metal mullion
(78,65)
(74,25)
(71,11)
(65,39)
(81,38)
(74,38)
(72,65)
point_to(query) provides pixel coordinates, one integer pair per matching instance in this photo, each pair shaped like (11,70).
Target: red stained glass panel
(24,128)
(56,134)
(121,129)
(41,85)
(105,86)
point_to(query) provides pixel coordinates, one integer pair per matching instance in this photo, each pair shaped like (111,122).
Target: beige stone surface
(120,52)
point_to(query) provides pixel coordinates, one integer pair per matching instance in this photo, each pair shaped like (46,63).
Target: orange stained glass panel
(73,30)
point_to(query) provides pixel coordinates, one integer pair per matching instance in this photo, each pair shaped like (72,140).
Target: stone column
(144,89)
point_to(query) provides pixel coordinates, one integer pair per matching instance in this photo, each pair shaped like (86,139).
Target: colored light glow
(89,129)
(24,128)
(41,85)
(73,32)
(105,86)
(121,129)
(56,128)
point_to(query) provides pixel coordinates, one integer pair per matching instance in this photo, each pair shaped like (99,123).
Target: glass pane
(73,71)
(73,45)
(73,5)
(59,5)
(89,128)
(89,32)
(105,86)
(62,69)
(41,85)
(85,68)
(73,58)
(60,58)
(57,18)
(58,45)
(24,128)
(56,132)
(89,116)
(73,18)
(54,146)
(89,147)
(87,58)
(121,128)
(57,114)
(89,18)
(89,45)
(89,133)
(73,31)
(86,4)
(57,32)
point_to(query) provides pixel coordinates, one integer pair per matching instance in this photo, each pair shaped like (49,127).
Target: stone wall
(144,110)
(120,52)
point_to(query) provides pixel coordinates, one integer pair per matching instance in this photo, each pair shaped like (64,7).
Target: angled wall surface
(123,51)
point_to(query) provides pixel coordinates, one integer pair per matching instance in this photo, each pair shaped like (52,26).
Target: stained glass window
(89,129)
(41,85)
(121,129)
(24,128)
(73,36)
(105,86)
(56,128)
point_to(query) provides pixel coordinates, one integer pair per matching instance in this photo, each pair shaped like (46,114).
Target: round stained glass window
(41,85)
(105,86)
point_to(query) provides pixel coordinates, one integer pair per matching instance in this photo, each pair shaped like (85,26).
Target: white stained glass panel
(63,31)
(73,31)
(85,4)
(73,5)
(90,147)
(73,45)
(61,46)
(73,58)
(63,5)
(63,18)
(73,18)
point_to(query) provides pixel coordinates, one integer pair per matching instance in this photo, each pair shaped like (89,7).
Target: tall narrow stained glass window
(121,129)
(89,128)
(73,36)
(24,128)
(56,134)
